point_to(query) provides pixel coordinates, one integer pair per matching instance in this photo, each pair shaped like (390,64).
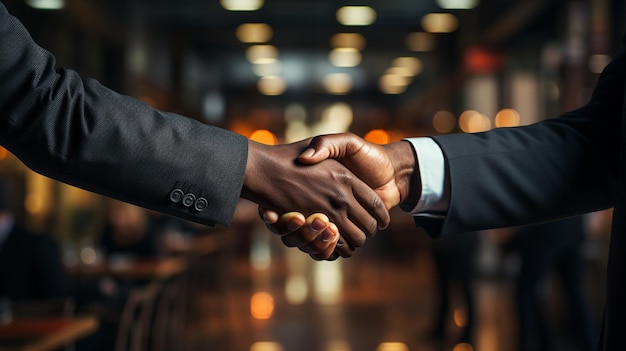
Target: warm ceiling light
(393,84)
(261,54)
(46,4)
(268,69)
(272,85)
(440,22)
(345,57)
(463,347)
(444,121)
(241,5)
(261,305)
(507,118)
(457,4)
(356,15)
(348,40)
(412,65)
(420,41)
(264,136)
(472,121)
(399,71)
(338,83)
(254,33)
(392,346)
(266,346)
(377,136)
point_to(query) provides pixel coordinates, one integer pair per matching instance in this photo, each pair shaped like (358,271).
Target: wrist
(407,174)
(251,189)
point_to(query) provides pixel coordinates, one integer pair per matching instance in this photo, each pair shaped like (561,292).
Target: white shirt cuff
(434,198)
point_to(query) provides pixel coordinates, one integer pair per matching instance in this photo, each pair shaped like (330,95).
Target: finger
(287,223)
(324,246)
(353,236)
(343,248)
(366,209)
(268,216)
(371,204)
(308,232)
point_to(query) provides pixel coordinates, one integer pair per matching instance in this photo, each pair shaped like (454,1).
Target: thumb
(335,146)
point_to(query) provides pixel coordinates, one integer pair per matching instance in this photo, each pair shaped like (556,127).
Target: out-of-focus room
(93,273)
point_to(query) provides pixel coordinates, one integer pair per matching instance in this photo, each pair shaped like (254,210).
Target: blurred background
(278,71)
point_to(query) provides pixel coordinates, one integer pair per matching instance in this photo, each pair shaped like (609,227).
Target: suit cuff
(434,199)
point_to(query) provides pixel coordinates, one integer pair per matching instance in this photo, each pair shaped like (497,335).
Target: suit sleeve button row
(189,200)
(176,195)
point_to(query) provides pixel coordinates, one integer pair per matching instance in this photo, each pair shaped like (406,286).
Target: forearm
(79,132)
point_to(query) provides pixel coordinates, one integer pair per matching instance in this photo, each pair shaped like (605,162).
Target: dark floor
(383,299)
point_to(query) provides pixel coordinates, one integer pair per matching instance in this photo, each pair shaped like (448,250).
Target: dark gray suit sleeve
(79,132)
(555,168)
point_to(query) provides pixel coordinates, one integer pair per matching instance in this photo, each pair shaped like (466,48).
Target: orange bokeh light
(378,136)
(264,136)
(261,305)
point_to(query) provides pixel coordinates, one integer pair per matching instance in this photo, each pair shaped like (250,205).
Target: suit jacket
(79,132)
(555,168)
(31,267)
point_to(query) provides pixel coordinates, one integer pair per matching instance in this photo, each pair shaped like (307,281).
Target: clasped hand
(387,170)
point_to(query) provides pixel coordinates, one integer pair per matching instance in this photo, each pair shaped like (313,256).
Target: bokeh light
(377,136)
(264,136)
(440,22)
(356,15)
(444,121)
(254,33)
(262,305)
(507,118)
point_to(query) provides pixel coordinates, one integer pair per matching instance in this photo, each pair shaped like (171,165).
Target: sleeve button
(201,204)
(189,200)
(176,195)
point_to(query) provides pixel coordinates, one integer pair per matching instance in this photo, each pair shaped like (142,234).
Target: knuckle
(372,228)
(376,201)
(359,240)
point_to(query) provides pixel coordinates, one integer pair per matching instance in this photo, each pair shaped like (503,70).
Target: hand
(394,165)
(274,179)
(316,235)
(371,162)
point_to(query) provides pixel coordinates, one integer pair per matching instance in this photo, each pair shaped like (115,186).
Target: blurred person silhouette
(30,263)
(552,249)
(454,272)
(128,232)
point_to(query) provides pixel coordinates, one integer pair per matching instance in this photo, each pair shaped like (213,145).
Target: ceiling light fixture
(356,15)
(254,33)
(46,4)
(241,5)
(440,22)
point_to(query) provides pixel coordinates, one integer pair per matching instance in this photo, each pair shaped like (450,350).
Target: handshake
(328,194)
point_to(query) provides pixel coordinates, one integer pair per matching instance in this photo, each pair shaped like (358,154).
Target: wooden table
(44,334)
(144,269)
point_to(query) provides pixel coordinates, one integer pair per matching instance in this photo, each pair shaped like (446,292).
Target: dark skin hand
(395,170)
(276,179)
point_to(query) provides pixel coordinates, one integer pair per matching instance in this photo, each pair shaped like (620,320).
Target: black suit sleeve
(79,132)
(555,168)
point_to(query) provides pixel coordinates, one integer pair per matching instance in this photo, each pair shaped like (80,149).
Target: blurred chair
(137,317)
